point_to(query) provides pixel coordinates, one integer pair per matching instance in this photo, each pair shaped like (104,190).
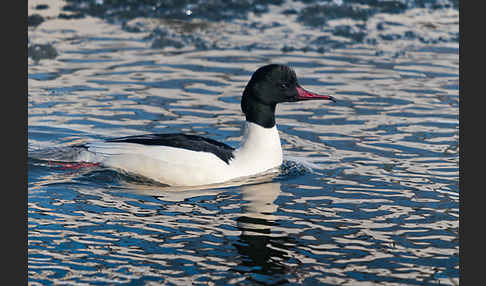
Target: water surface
(369,190)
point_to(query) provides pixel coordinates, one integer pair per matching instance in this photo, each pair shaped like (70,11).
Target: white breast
(260,150)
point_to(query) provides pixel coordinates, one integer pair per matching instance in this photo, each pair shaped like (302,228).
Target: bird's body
(260,151)
(191,160)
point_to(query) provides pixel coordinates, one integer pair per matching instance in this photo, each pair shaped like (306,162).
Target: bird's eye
(283,85)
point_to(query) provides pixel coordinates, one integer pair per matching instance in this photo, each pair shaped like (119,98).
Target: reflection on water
(369,189)
(261,233)
(262,254)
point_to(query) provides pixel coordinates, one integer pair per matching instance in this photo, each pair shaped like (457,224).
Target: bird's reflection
(263,246)
(258,208)
(262,252)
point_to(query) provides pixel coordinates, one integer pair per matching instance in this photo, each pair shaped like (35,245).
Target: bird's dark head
(268,86)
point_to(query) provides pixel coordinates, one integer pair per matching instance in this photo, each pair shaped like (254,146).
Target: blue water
(368,193)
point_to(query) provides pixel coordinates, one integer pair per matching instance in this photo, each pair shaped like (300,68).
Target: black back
(184,141)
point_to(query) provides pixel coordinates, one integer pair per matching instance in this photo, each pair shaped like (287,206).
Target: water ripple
(368,192)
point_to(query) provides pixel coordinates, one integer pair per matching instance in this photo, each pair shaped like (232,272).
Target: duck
(177,159)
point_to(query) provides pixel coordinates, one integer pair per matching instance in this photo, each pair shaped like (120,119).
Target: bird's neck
(257,112)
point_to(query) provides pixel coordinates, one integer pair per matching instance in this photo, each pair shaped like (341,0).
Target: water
(369,190)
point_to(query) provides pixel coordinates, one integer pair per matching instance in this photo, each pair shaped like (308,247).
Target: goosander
(191,160)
